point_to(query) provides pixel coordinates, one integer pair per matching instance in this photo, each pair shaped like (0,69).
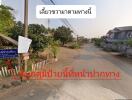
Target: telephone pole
(25,27)
(26,19)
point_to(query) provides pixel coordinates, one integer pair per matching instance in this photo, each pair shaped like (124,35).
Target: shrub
(97,41)
(118,42)
(129,42)
(75,46)
(54,48)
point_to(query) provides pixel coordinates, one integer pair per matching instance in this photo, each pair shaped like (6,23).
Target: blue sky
(110,14)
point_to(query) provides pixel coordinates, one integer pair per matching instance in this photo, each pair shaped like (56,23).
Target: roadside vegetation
(129,42)
(124,47)
(97,41)
(6,19)
(74,46)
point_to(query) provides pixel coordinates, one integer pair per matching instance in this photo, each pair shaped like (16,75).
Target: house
(115,40)
(120,33)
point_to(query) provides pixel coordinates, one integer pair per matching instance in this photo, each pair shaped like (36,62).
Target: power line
(52,2)
(64,21)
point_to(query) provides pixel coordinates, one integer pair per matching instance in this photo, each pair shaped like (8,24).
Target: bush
(97,41)
(119,42)
(54,48)
(75,46)
(129,42)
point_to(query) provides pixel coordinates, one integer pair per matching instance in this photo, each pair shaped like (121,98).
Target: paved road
(93,57)
(90,57)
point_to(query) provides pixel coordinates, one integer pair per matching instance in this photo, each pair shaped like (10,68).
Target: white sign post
(23,47)
(23,44)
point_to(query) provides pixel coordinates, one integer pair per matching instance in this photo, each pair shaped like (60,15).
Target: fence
(4,72)
(39,66)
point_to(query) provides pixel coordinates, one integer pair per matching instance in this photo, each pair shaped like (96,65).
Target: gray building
(120,33)
(114,40)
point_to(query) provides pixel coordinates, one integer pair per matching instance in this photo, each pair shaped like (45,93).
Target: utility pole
(77,39)
(26,19)
(48,23)
(25,27)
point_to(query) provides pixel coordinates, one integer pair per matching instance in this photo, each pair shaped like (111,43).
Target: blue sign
(8,53)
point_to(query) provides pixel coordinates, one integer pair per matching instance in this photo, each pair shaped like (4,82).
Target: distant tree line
(41,36)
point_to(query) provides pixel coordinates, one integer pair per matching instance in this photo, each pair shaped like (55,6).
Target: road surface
(89,57)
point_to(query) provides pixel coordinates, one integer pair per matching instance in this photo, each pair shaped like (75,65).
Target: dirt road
(89,57)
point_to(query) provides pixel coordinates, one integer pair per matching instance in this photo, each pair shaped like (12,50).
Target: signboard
(23,44)
(8,53)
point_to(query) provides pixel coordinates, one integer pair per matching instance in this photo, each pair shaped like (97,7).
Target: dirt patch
(65,57)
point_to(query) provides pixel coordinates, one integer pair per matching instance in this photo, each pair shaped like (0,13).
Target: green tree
(39,42)
(36,29)
(17,30)
(6,18)
(63,34)
(51,31)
